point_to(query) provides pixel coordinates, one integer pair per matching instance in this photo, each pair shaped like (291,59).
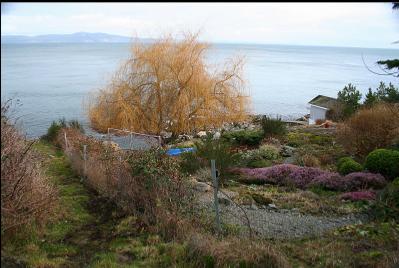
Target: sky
(324,24)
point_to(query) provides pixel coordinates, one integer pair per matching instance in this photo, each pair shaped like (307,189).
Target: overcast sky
(328,24)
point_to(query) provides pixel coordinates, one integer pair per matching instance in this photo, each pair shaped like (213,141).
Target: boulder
(272,206)
(112,144)
(201,134)
(166,135)
(224,200)
(202,187)
(287,151)
(217,135)
(254,207)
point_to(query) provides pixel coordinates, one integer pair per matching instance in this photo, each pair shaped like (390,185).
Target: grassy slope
(86,230)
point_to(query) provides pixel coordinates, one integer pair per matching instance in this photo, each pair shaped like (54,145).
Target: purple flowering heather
(356,196)
(305,177)
(364,180)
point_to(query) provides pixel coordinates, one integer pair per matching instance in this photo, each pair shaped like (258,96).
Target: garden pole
(215,194)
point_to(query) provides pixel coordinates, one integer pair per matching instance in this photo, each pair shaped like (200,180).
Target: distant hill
(81,37)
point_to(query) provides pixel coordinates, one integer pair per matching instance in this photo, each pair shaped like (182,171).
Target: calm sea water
(52,80)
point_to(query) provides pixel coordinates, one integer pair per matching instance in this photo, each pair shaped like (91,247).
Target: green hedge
(347,165)
(383,161)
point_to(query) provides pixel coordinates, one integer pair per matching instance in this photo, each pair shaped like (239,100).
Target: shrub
(347,165)
(297,139)
(26,196)
(259,157)
(307,160)
(318,155)
(369,129)
(218,150)
(273,127)
(189,163)
(386,206)
(336,112)
(155,190)
(259,163)
(308,177)
(52,131)
(244,137)
(269,152)
(319,121)
(350,97)
(56,126)
(358,196)
(76,125)
(363,180)
(383,161)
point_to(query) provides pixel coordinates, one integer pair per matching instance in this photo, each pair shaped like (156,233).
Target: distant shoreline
(84,37)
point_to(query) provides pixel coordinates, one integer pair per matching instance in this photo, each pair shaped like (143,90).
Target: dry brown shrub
(167,86)
(369,129)
(146,184)
(308,160)
(26,195)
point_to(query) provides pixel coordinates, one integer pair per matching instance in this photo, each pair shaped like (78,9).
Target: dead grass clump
(233,252)
(369,129)
(26,196)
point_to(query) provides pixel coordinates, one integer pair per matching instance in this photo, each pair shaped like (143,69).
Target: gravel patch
(277,223)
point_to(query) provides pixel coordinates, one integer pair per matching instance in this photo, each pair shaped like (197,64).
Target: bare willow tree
(167,86)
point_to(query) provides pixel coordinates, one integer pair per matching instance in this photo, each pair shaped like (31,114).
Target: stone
(202,187)
(201,134)
(261,199)
(229,193)
(290,160)
(254,207)
(287,151)
(166,135)
(217,135)
(184,137)
(224,200)
(112,144)
(272,206)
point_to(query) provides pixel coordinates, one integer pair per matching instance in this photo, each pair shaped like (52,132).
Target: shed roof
(323,101)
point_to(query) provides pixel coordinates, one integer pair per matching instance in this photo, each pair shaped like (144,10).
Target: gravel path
(279,223)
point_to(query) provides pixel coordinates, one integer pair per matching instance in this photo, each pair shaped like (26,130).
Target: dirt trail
(95,236)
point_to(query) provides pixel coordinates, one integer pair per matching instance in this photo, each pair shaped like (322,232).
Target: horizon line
(217,42)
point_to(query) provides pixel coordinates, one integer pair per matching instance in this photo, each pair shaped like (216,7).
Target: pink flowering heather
(305,177)
(357,196)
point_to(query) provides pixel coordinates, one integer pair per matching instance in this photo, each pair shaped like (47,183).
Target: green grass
(44,247)
(364,245)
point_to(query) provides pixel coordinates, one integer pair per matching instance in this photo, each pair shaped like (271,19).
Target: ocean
(52,81)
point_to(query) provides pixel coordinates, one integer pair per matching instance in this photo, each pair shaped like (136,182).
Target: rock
(112,144)
(201,134)
(254,207)
(272,206)
(261,199)
(216,136)
(290,160)
(166,135)
(184,137)
(287,151)
(224,200)
(202,187)
(230,194)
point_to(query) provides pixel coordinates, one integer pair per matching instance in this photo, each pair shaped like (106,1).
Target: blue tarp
(178,151)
